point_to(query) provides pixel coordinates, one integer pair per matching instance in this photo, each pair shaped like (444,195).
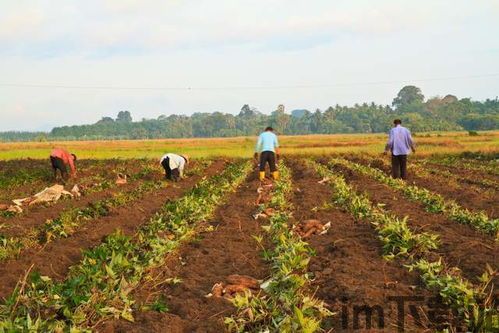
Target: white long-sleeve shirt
(175,161)
(399,141)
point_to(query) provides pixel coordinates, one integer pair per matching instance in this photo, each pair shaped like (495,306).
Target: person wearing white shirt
(174,165)
(400,144)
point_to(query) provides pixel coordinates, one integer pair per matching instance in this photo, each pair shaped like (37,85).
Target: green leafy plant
(284,304)
(159,305)
(70,220)
(397,238)
(487,162)
(473,304)
(421,168)
(433,202)
(101,285)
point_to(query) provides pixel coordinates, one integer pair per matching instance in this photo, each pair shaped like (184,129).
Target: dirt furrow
(20,226)
(462,168)
(349,271)
(210,258)
(456,239)
(35,216)
(465,197)
(86,170)
(56,257)
(467,177)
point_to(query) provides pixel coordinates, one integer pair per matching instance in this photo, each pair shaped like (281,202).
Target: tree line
(419,114)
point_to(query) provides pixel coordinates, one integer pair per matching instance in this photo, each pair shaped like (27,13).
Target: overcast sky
(61,61)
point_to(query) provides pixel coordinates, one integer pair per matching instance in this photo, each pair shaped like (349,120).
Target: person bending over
(174,166)
(60,159)
(268,147)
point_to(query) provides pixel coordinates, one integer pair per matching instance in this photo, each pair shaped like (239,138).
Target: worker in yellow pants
(268,147)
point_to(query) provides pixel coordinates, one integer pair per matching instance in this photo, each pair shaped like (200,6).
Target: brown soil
(456,239)
(457,182)
(56,257)
(19,226)
(86,169)
(36,216)
(11,165)
(14,167)
(348,267)
(469,176)
(463,196)
(208,259)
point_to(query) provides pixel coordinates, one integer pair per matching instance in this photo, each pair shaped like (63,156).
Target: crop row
(23,176)
(284,305)
(96,173)
(70,220)
(479,165)
(17,175)
(421,169)
(433,202)
(101,285)
(98,182)
(472,303)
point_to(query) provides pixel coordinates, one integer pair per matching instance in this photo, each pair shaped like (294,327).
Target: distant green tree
(105,120)
(478,122)
(41,137)
(249,121)
(280,120)
(124,116)
(449,99)
(436,114)
(408,95)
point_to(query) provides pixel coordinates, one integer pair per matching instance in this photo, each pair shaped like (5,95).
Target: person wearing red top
(60,158)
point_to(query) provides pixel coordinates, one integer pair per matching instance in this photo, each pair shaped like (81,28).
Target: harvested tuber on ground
(324,180)
(217,290)
(232,289)
(312,227)
(267,212)
(243,280)
(121,179)
(264,191)
(234,284)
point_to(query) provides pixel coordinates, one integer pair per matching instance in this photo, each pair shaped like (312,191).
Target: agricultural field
(428,144)
(335,244)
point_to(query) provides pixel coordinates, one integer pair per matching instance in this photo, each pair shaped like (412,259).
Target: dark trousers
(58,164)
(171,174)
(399,166)
(267,157)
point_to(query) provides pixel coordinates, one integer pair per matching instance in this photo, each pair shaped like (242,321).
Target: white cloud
(24,24)
(162,25)
(201,43)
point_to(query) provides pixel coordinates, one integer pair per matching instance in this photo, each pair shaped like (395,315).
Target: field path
(56,257)
(204,261)
(348,267)
(456,239)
